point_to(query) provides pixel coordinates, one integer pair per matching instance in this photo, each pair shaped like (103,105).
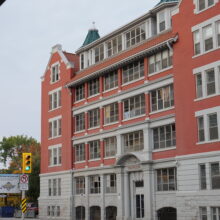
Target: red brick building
(131,122)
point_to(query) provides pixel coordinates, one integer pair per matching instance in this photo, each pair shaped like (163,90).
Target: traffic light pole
(22,197)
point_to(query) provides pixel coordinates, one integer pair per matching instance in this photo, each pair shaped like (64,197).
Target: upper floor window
(133,141)
(111,184)
(110,80)
(54,128)
(94,118)
(114,45)
(111,113)
(95,184)
(110,145)
(160,61)
(162,98)
(215,175)
(206,37)
(55,155)
(80,152)
(55,75)
(203,4)
(82,61)
(166,179)
(93,86)
(94,150)
(203,213)
(80,185)
(99,53)
(135,35)
(202,172)
(162,21)
(164,136)
(55,99)
(133,71)
(208,82)
(80,122)
(134,106)
(80,92)
(54,187)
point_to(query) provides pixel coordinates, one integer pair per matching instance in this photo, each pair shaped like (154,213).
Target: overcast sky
(28,30)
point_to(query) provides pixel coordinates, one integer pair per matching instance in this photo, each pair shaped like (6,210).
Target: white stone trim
(208,111)
(55,118)
(54,90)
(162,122)
(196,10)
(206,67)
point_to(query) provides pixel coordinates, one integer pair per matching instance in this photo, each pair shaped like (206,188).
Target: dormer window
(82,61)
(55,73)
(162,22)
(99,53)
(203,4)
(114,46)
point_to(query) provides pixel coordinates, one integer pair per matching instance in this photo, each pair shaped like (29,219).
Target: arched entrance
(95,213)
(167,213)
(111,213)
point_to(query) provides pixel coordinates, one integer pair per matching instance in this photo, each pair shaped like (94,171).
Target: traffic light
(26,162)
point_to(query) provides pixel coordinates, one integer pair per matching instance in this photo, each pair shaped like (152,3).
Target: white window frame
(55,127)
(80,185)
(110,81)
(55,155)
(93,87)
(110,146)
(167,20)
(111,183)
(80,122)
(55,99)
(99,53)
(95,184)
(111,113)
(215,211)
(54,187)
(211,181)
(56,75)
(203,213)
(94,118)
(114,45)
(80,152)
(94,150)
(205,113)
(80,92)
(201,38)
(206,6)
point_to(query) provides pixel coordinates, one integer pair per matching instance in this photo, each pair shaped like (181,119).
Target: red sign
(24,178)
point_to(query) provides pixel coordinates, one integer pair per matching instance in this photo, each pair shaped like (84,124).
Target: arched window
(80,213)
(167,213)
(111,212)
(95,213)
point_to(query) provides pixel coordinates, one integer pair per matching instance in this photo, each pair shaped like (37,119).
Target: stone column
(147,143)
(127,207)
(120,193)
(87,197)
(119,146)
(102,196)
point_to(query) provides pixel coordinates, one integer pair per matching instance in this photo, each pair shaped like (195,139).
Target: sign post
(24,180)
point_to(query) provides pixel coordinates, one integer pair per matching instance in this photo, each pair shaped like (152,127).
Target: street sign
(24,180)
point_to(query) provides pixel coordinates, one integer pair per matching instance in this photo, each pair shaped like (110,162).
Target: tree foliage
(11,149)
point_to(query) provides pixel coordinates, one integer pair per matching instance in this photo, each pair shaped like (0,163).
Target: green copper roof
(163,1)
(92,35)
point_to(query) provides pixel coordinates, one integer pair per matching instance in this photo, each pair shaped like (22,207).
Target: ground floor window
(111,212)
(95,213)
(167,213)
(80,213)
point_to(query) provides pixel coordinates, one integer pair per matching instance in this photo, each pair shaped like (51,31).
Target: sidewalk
(18,218)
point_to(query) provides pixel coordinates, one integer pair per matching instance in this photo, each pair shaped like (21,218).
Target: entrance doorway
(139,199)
(167,213)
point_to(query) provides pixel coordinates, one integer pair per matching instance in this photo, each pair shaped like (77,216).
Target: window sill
(198,55)
(92,96)
(58,165)
(105,91)
(51,110)
(78,132)
(166,192)
(51,138)
(78,101)
(139,116)
(164,149)
(206,97)
(51,83)
(158,72)
(81,161)
(208,142)
(196,11)
(110,157)
(136,80)
(97,159)
(112,123)
(162,110)
(89,129)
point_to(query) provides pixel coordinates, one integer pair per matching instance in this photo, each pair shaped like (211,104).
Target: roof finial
(93,25)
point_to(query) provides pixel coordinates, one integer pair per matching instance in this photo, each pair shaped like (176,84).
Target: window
(53,210)
(80,185)
(114,46)
(59,186)
(111,183)
(54,128)
(204,4)
(94,117)
(93,86)
(215,213)
(49,188)
(55,76)
(80,122)
(55,99)
(162,98)
(58,210)
(110,145)
(55,155)
(95,184)
(94,150)
(80,213)
(208,81)
(197,49)
(99,53)
(82,61)
(213,126)
(215,176)
(203,213)
(164,136)
(80,93)
(203,184)
(133,141)
(160,61)
(162,21)
(48,210)
(80,152)
(166,179)
(136,35)
(111,113)
(201,131)
(206,37)
(133,71)
(110,81)
(54,187)
(134,106)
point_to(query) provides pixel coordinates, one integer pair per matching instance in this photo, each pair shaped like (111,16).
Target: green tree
(11,149)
